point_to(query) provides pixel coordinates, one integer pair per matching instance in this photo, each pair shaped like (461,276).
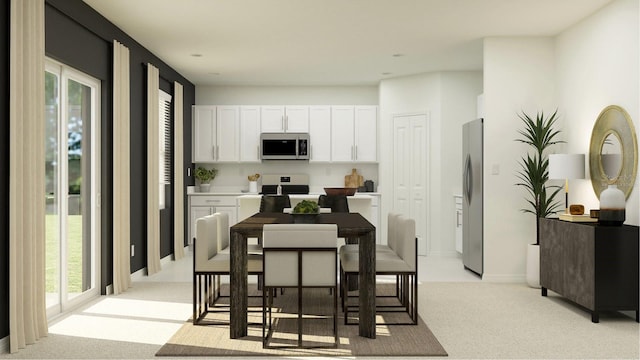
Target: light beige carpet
(391,340)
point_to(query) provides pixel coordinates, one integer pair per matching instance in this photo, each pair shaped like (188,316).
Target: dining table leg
(238,299)
(367,286)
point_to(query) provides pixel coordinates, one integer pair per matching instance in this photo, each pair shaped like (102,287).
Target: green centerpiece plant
(306,207)
(305,212)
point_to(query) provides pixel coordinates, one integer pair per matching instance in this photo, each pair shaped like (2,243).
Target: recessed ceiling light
(386,73)
(196,55)
(397,55)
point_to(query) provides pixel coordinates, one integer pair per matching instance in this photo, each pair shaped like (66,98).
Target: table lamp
(566,166)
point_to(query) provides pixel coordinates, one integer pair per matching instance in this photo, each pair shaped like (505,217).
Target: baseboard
(140,274)
(499,278)
(4,345)
(448,254)
(166,260)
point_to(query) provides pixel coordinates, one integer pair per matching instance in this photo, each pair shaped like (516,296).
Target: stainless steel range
(290,183)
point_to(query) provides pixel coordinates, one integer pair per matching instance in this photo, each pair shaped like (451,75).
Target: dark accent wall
(4,168)
(78,36)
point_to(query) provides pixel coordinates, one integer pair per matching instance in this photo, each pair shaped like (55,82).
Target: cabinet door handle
(213,201)
(282,122)
(218,152)
(355,152)
(286,123)
(458,222)
(213,151)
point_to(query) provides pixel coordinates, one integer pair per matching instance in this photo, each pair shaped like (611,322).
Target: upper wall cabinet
(215,134)
(320,133)
(250,134)
(294,119)
(232,133)
(354,133)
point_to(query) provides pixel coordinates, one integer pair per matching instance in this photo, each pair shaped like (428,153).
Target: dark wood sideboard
(592,265)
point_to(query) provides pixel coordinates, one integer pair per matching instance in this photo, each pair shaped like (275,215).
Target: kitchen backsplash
(233,177)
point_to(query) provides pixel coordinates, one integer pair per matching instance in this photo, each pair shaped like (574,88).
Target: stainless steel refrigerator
(472,247)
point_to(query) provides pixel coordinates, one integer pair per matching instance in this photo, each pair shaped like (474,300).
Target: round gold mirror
(611,156)
(613,153)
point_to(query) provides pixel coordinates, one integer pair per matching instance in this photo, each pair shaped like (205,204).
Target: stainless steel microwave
(284,146)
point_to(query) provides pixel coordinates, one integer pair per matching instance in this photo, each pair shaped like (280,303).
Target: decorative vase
(253,186)
(612,206)
(533,265)
(205,188)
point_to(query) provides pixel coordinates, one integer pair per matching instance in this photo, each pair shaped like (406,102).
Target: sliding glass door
(72,186)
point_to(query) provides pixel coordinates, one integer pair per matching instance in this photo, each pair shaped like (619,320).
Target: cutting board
(353,180)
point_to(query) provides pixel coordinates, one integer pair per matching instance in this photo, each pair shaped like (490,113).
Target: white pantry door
(410,172)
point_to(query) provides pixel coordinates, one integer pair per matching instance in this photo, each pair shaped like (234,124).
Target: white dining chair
(298,256)
(209,263)
(402,262)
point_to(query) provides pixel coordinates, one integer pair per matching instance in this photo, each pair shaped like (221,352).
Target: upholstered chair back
(408,240)
(206,241)
(274,203)
(317,243)
(392,229)
(223,230)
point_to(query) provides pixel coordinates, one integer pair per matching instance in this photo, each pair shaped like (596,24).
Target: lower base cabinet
(592,265)
(203,205)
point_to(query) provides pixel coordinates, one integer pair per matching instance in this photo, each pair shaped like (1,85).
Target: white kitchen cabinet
(203,205)
(215,134)
(204,130)
(320,133)
(458,219)
(293,119)
(342,133)
(366,133)
(228,128)
(250,134)
(354,132)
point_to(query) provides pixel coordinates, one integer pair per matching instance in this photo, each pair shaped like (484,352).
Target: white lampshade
(566,166)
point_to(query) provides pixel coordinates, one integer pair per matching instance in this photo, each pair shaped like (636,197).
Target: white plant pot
(533,265)
(205,188)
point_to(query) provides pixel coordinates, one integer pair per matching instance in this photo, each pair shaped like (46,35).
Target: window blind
(165,167)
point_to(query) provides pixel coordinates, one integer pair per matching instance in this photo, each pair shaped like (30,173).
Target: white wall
(597,66)
(287,95)
(518,76)
(449,100)
(589,66)
(460,91)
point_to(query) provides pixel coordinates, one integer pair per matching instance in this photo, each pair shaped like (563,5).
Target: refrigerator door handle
(468,179)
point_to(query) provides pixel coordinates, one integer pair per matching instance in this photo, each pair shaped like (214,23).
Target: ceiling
(330,42)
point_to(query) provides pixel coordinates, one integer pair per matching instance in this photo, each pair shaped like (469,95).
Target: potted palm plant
(205,176)
(539,134)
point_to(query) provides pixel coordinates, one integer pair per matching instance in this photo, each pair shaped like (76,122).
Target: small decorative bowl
(304,218)
(340,191)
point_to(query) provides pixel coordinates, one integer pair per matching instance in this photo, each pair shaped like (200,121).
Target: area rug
(391,340)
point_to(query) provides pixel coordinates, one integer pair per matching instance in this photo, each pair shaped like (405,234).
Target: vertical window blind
(165,144)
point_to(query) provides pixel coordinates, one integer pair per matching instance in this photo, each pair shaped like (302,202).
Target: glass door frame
(64,74)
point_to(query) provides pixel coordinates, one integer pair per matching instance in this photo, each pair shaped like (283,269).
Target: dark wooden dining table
(350,226)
